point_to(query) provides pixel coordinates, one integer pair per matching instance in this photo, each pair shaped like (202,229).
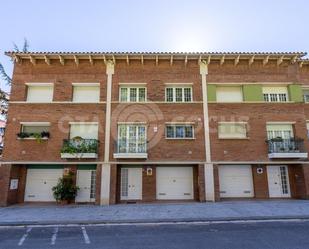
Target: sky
(160,25)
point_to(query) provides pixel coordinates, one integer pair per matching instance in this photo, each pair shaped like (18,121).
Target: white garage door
(236,181)
(174,183)
(39,184)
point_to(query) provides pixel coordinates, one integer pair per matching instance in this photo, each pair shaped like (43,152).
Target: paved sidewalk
(138,213)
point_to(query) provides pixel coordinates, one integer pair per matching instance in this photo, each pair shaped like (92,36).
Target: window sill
(32,138)
(234,138)
(180,138)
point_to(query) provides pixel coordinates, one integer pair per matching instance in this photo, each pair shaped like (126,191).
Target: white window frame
(283,132)
(29,85)
(85,85)
(127,126)
(23,124)
(305,96)
(174,125)
(84,123)
(273,96)
(128,87)
(233,137)
(174,87)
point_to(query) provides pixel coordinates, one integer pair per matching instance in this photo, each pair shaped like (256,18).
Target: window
(84,130)
(178,94)
(306,95)
(86,92)
(179,131)
(232,130)
(229,94)
(307,125)
(131,138)
(40,92)
(284,131)
(132,94)
(275,94)
(34,130)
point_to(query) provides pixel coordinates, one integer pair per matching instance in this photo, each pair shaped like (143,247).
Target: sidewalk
(147,213)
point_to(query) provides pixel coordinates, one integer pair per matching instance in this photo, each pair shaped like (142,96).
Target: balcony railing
(79,148)
(126,148)
(286,148)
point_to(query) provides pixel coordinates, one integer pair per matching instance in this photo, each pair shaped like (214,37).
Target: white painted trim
(39,84)
(83,123)
(131,123)
(232,122)
(85,84)
(288,155)
(180,123)
(79,155)
(175,84)
(250,83)
(127,84)
(131,155)
(35,123)
(156,162)
(56,102)
(279,122)
(128,94)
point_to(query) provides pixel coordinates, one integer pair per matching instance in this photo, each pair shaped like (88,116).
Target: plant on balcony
(38,136)
(79,145)
(65,191)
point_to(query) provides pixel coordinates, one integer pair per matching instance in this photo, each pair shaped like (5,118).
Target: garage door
(236,181)
(39,184)
(174,183)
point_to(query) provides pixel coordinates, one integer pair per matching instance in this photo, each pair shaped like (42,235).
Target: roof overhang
(208,57)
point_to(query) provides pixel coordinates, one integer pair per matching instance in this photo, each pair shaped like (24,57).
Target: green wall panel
(211,93)
(253,92)
(295,93)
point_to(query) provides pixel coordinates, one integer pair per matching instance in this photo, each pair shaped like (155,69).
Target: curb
(157,221)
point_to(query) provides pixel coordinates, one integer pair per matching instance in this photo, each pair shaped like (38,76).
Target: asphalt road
(292,235)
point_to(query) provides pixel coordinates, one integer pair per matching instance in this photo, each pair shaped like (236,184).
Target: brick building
(145,127)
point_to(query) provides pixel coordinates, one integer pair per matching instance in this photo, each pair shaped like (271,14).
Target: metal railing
(292,145)
(80,145)
(123,146)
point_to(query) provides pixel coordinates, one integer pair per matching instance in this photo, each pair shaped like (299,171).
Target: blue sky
(160,25)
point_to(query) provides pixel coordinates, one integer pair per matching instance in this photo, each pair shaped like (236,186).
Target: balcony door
(131,139)
(284,131)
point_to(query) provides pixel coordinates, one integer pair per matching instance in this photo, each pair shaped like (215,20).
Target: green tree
(4,97)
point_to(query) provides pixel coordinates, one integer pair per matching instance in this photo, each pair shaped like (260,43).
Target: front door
(85,180)
(131,183)
(278,181)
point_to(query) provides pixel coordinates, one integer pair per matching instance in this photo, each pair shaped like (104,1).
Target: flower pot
(64,202)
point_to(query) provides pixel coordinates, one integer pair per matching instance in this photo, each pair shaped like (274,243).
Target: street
(189,236)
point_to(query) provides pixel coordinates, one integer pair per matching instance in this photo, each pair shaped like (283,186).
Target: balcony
(126,149)
(79,148)
(286,148)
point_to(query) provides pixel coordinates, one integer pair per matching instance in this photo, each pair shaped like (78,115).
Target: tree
(4,97)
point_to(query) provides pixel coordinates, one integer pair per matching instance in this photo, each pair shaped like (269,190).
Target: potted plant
(65,191)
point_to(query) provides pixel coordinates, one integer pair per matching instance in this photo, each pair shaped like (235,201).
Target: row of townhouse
(146,127)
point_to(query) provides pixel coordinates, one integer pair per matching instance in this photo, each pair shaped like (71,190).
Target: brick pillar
(113,184)
(98,185)
(5,172)
(201,183)
(216,182)
(306,181)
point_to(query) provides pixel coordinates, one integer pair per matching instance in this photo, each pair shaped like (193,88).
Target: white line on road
(86,238)
(24,236)
(54,237)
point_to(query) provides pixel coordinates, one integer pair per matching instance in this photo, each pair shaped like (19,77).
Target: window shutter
(253,92)
(229,94)
(232,130)
(40,94)
(86,131)
(86,94)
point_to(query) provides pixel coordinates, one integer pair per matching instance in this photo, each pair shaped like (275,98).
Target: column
(208,166)
(106,167)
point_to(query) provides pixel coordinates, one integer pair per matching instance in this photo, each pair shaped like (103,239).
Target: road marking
(54,237)
(20,243)
(86,238)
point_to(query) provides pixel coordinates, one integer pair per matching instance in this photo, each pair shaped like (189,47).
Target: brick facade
(155,114)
